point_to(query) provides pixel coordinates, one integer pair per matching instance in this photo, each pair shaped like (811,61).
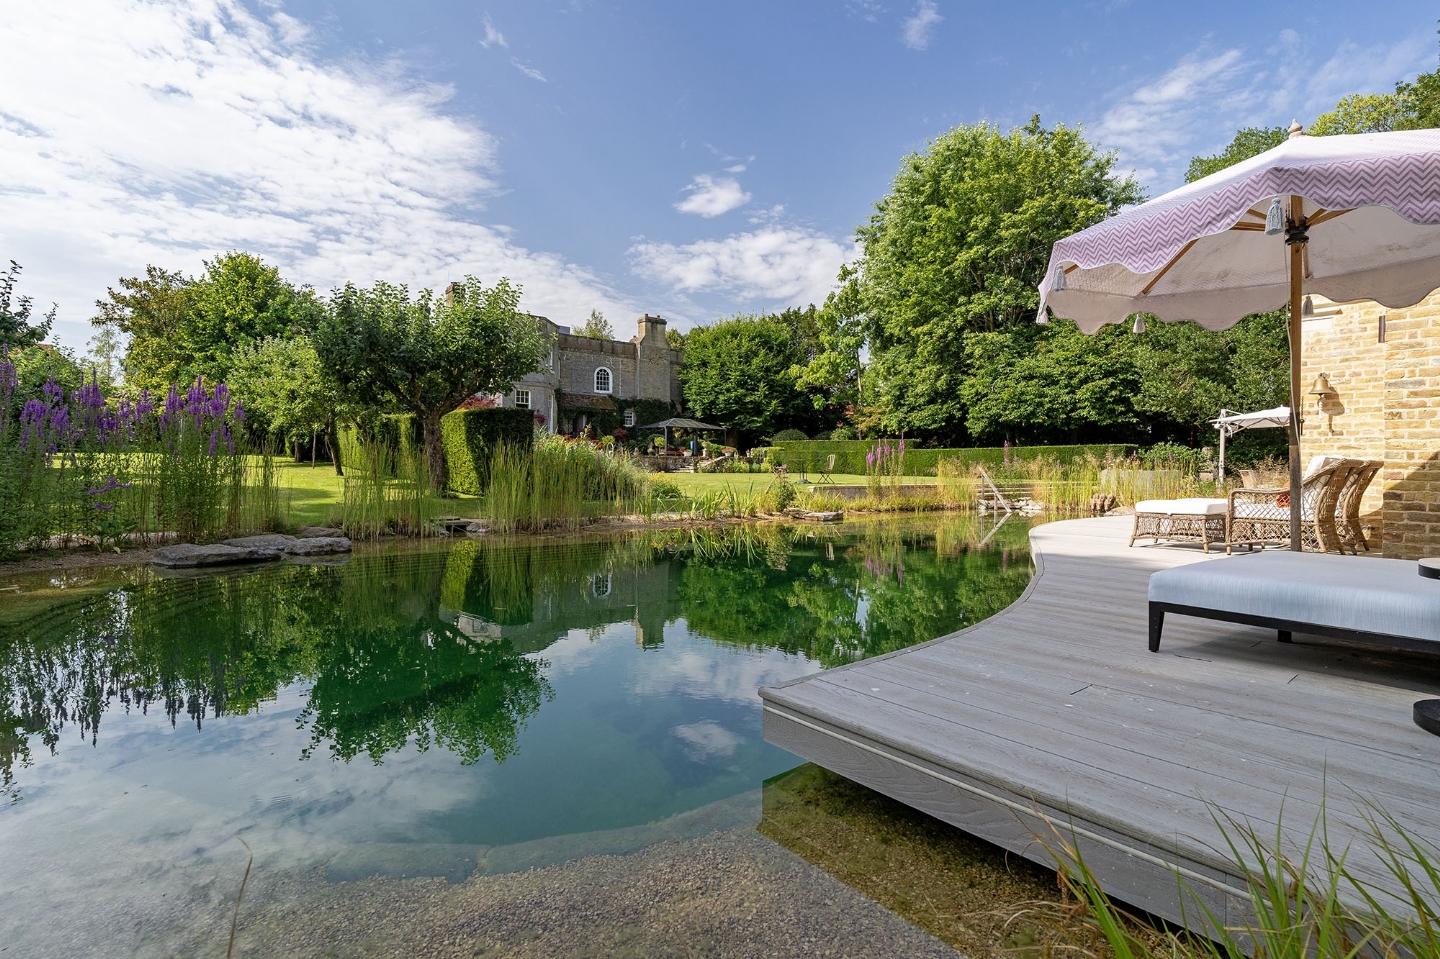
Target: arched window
(602,380)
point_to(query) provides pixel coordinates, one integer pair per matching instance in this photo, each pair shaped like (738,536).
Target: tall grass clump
(884,466)
(387,489)
(81,467)
(1300,901)
(560,484)
(956,486)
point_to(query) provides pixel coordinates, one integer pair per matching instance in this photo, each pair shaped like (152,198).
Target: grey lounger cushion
(1360,593)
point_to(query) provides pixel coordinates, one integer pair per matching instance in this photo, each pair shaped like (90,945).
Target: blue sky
(688,159)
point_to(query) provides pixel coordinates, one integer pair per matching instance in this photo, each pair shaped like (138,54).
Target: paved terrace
(1055,706)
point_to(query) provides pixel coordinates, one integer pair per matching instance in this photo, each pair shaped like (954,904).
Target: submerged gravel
(731,893)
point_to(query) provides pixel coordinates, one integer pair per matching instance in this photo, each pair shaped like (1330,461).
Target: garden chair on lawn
(827,469)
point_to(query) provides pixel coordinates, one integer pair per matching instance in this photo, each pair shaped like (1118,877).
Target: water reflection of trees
(436,646)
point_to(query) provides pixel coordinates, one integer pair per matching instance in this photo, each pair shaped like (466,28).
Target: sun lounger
(1357,598)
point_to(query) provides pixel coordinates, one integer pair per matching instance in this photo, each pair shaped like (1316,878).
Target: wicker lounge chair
(1189,520)
(1261,517)
(1347,510)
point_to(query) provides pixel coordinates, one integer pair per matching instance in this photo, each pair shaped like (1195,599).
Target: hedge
(468,436)
(850,454)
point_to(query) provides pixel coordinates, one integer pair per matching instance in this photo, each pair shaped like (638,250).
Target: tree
(597,327)
(180,328)
(833,376)
(16,330)
(425,356)
(1249,142)
(737,373)
(958,247)
(287,393)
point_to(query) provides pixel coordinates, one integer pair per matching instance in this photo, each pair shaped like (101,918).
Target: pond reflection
(446,645)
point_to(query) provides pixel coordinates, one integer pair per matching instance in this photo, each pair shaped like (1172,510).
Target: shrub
(789,436)
(778,495)
(470,438)
(842,433)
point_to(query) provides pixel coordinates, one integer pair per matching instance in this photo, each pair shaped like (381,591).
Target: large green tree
(739,373)
(287,393)
(181,327)
(427,355)
(957,249)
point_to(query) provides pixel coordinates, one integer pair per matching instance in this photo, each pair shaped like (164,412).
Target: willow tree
(428,354)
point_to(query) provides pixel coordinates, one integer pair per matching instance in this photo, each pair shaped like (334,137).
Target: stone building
(1384,368)
(602,382)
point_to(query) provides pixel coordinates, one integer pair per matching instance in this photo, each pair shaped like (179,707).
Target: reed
(561,484)
(386,491)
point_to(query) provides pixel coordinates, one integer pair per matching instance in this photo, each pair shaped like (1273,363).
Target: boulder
(318,546)
(832,516)
(274,542)
(189,555)
(319,532)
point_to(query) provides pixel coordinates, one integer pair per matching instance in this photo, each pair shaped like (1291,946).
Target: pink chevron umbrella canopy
(1371,202)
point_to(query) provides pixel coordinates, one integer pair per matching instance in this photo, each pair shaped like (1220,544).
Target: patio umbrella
(1229,423)
(1348,217)
(678,423)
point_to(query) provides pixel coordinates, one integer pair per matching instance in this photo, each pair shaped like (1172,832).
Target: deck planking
(1054,713)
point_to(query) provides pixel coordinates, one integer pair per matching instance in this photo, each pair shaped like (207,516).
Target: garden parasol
(1348,217)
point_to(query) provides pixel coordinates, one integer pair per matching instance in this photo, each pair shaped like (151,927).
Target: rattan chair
(1347,519)
(1261,517)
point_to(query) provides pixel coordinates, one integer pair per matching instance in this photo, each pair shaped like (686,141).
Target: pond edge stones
(247,549)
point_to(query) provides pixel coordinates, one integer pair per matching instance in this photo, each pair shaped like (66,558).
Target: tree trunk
(332,437)
(434,451)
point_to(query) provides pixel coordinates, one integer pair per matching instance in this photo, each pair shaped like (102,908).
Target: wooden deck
(1054,707)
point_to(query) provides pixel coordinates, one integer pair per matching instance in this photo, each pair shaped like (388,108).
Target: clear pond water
(435,710)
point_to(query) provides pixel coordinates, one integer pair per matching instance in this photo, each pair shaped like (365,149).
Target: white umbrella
(1348,217)
(1229,423)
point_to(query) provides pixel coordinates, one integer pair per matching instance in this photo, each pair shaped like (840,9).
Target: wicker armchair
(1261,517)
(1347,510)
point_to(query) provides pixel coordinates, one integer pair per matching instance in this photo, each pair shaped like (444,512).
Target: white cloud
(915,31)
(165,133)
(492,36)
(710,196)
(776,263)
(1195,107)
(737,168)
(707,739)
(530,72)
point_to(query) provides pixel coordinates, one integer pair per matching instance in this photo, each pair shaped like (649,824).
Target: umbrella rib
(1166,268)
(1324,215)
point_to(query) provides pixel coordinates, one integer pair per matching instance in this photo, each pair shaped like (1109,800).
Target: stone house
(605,383)
(1384,368)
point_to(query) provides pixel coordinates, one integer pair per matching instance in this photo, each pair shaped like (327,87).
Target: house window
(602,380)
(629,417)
(522,399)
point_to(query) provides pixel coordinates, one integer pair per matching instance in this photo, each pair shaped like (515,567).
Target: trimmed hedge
(850,454)
(469,436)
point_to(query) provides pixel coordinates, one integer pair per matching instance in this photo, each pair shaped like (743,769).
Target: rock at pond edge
(318,546)
(182,555)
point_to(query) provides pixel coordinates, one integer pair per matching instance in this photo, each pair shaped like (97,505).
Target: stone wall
(1384,407)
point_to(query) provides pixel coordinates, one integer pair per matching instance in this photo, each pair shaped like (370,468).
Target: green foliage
(850,455)
(285,391)
(1249,142)
(958,247)
(557,483)
(16,330)
(740,372)
(180,328)
(596,327)
(471,436)
(789,436)
(425,356)
(35,366)
(843,433)
(1046,382)
(834,377)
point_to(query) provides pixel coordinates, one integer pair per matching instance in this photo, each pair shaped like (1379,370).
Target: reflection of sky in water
(635,729)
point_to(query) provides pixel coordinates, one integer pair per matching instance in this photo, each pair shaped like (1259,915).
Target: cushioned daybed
(1359,598)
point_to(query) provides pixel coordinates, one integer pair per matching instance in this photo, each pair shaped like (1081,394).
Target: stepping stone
(275,542)
(189,555)
(318,546)
(319,532)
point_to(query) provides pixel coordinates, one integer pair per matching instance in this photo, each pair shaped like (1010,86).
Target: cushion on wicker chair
(1183,507)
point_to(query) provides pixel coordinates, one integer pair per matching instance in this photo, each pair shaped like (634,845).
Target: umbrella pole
(1296,239)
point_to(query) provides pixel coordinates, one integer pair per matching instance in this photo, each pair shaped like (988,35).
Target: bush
(824,435)
(777,496)
(469,438)
(843,433)
(789,436)
(850,455)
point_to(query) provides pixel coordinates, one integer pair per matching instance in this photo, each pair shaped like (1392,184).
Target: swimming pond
(450,709)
